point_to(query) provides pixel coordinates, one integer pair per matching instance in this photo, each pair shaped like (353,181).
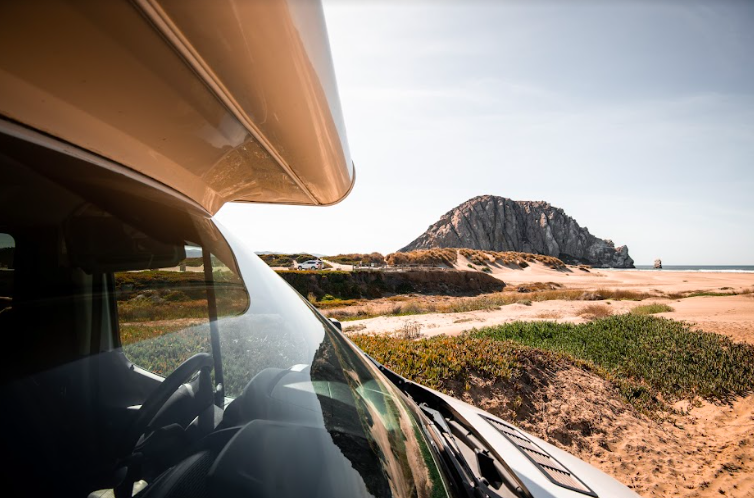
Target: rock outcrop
(495,223)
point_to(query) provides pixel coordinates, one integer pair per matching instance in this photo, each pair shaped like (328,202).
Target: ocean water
(700,268)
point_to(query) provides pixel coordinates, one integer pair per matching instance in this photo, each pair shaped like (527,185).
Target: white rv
(149,353)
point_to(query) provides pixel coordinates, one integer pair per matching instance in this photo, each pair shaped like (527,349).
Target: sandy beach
(641,280)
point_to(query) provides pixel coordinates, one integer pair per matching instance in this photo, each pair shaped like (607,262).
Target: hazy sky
(636,118)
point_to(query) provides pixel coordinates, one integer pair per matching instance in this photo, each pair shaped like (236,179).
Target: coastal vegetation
(357,259)
(650,361)
(665,356)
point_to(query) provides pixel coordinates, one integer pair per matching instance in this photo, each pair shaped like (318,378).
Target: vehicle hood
(532,476)
(223,101)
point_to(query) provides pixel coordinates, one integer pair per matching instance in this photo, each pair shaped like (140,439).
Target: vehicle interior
(75,390)
(116,298)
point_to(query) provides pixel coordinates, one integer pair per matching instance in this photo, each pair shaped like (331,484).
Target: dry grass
(415,306)
(652,308)
(538,286)
(594,311)
(623,295)
(517,258)
(549,315)
(579,295)
(325,304)
(410,330)
(446,257)
(510,258)
(352,329)
(399,297)
(709,293)
(481,258)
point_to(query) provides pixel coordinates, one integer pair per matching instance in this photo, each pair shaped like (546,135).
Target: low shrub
(434,257)
(358,259)
(623,294)
(649,309)
(593,311)
(410,330)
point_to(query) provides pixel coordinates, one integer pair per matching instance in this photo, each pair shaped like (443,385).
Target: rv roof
(222,101)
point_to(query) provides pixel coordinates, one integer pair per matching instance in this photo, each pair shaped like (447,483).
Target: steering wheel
(160,396)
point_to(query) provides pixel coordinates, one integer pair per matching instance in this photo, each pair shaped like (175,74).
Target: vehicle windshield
(145,347)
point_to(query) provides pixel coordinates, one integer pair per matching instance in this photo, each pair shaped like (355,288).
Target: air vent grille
(550,467)
(543,459)
(564,478)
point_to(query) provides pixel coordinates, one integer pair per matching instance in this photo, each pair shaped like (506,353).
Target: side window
(164,314)
(7,250)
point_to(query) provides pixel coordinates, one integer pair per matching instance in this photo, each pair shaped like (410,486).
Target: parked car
(124,127)
(312,264)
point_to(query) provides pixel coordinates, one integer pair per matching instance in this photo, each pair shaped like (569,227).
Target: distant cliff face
(499,224)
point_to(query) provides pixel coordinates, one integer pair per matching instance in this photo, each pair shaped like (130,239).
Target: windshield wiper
(459,468)
(478,470)
(479,473)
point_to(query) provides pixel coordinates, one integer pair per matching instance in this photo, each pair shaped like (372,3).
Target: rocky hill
(499,224)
